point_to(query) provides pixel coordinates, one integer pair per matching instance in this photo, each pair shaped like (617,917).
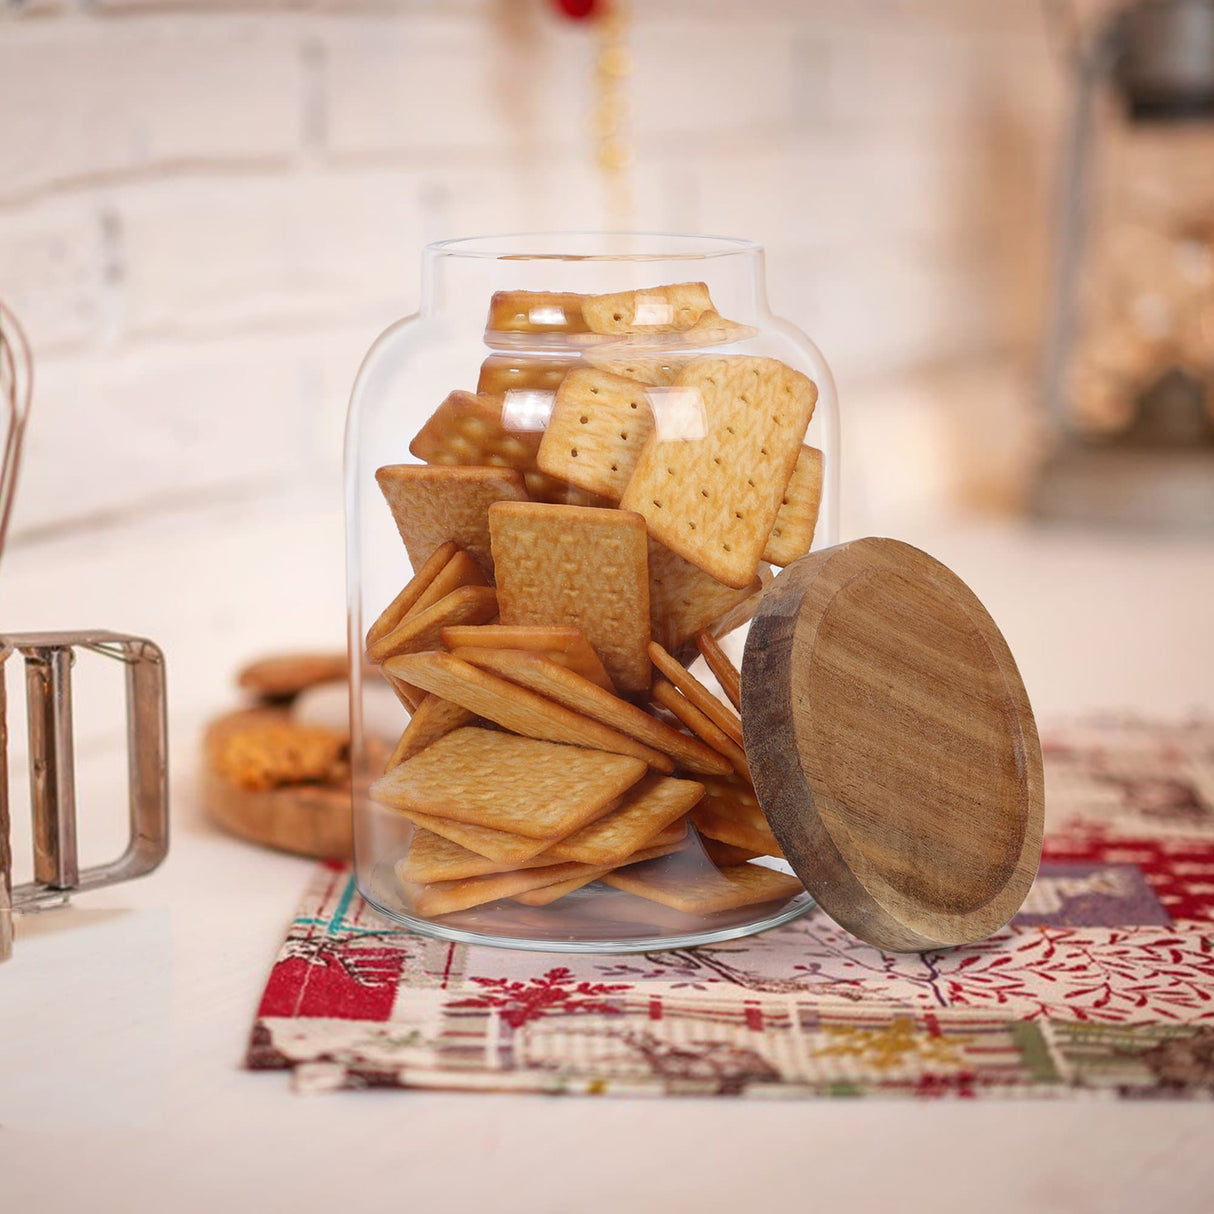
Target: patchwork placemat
(1102,986)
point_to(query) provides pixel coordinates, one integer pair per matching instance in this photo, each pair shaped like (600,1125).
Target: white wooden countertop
(123,1019)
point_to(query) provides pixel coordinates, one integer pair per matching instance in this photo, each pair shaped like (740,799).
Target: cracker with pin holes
(669,309)
(684,600)
(724,671)
(704,889)
(536,312)
(502,373)
(433,718)
(514,707)
(432,505)
(674,701)
(714,499)
(567,647)
(547,894)
(581,567)
(554,682)
(721,714)
(598,426)
(646,810)
(652,370)
(491,431)
(487,778)
(793,531)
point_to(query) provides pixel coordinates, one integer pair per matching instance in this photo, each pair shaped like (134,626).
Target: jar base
(596,929)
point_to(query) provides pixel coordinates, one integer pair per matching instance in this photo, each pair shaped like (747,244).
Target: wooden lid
(892,746)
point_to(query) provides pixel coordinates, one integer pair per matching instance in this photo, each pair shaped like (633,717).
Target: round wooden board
(309,820)
(893,747)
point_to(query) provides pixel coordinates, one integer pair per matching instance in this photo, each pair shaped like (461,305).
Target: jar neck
(459,277)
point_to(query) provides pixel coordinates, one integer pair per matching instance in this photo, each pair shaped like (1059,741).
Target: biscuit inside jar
(559,747)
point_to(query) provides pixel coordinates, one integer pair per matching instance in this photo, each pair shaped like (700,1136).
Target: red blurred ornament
(579,10)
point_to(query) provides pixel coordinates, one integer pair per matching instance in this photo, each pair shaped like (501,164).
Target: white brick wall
(209,207)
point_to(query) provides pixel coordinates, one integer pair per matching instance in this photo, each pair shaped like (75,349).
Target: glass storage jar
(581,444)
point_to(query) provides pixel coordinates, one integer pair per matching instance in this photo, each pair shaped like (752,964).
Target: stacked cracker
(582,529)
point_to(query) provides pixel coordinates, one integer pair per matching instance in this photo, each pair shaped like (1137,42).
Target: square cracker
(579,566)
(447,897)
(503,847)
(502,373)
(417,585)
(547,894)
(653,370)
(793,531)
(722,715)
(423,629)
(539,789)
(702,889)
(675,702)
(598,426)
(713,500)
(432,719)
(432,858)
(485,431)
(434,504)
(536,312)
(647,809)
(684,600)
(515,708)
(553,681)
(669,309)
(567,647)
(724,671)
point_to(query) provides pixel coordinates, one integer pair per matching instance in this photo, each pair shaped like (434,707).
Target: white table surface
(123,1019)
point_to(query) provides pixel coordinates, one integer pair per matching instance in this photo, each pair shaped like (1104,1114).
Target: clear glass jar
(512,774)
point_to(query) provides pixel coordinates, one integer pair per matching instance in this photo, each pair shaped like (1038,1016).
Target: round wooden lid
(892,746)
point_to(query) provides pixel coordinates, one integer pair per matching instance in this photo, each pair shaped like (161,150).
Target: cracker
(515,708)
(281,753)
(742,612)
(793,531)
(499,780)
(654,370)
(722,715)
(553,681)
(566,646)
(283,676)
(423,629)
(504,847)
(432,719)
(648,808)
(713,500)
(547,894)
(724,814)
(502,373)
(536,312)
(447,897)
(669,309)
(673,700)
(598,426)
(684,600)
(410,696)
(703,890)
(724,854)
(434,504)
(724,671)
(416,586)
(432,858)
(579,566)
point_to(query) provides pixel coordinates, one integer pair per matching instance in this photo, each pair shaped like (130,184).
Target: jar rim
(593,246)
